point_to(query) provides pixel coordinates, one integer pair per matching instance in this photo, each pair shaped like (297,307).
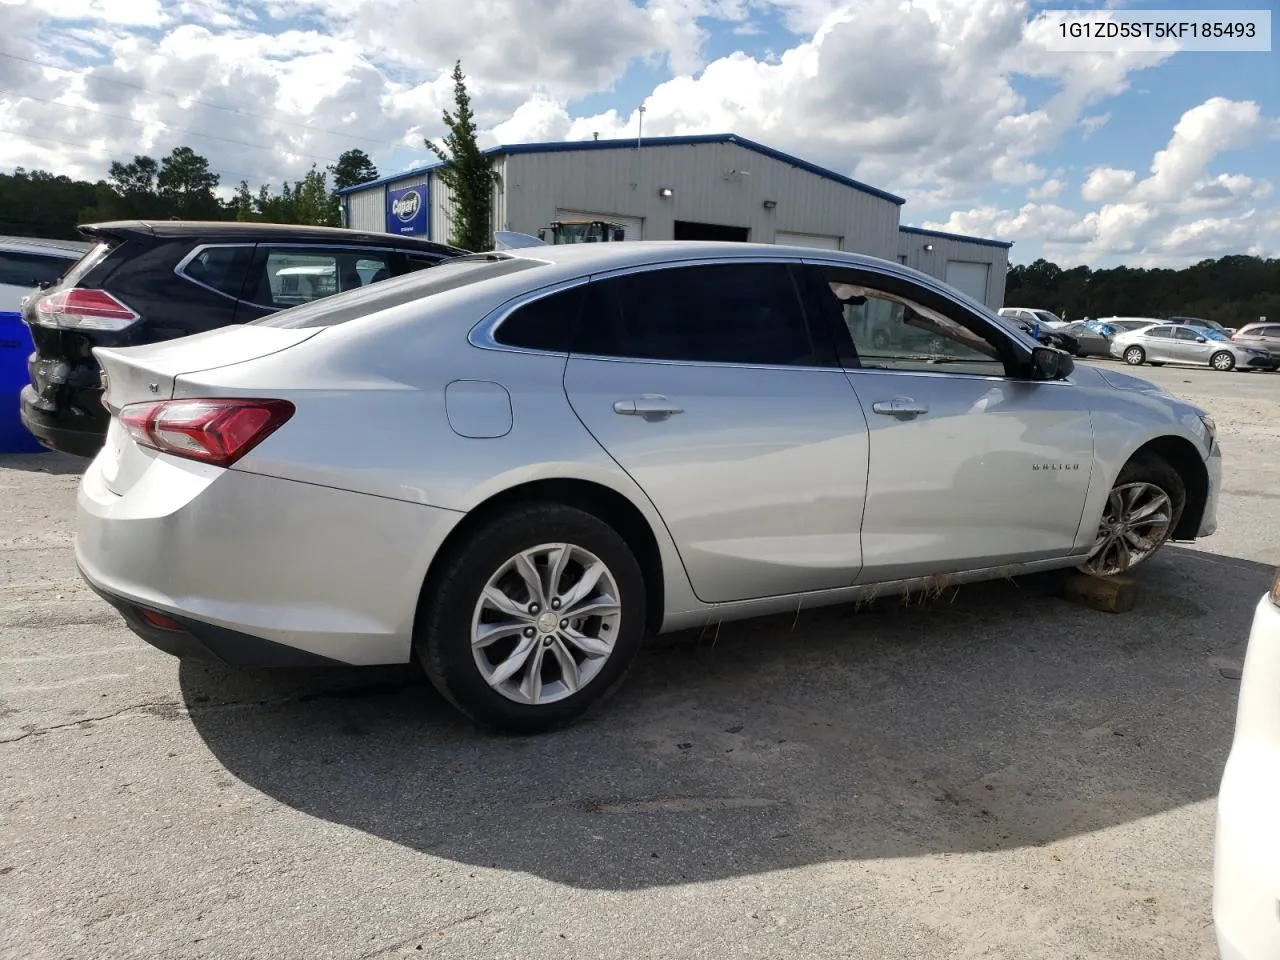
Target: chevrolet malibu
(513,466)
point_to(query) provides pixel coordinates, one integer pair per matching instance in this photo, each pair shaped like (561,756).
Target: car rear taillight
(217,431)
(83,310)
(1275,589)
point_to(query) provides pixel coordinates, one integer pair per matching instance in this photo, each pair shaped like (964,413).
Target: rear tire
(1222,361)
(1134,356)
(1134,524)
(536,675)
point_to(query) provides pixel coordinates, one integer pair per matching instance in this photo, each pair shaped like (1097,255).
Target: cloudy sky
(1098,158)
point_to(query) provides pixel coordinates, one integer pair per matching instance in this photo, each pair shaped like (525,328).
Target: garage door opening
(688,230)
(789,238)
(969,277)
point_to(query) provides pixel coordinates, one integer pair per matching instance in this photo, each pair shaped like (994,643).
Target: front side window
(1186,333)
(1044,316)
(891,330)
(741,313)
(21,269)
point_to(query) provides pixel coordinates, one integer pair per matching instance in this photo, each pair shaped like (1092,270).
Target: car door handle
(903,407)
(651,406)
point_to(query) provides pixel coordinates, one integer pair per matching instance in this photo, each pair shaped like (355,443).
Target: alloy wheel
(1133,355)
(1223,361)
(545,623)
(1135,523)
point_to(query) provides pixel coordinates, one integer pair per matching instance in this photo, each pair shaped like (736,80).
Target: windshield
(1211,333)
(1046,317)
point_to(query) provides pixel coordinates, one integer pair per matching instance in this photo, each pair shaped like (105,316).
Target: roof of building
(579,145)
(982,241)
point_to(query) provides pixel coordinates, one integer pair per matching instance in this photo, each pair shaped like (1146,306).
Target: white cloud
(1048,190)
(1181,213)
(1091,125)
(1106,183)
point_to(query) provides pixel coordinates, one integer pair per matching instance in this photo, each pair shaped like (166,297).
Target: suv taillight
(79,309)
(217,431)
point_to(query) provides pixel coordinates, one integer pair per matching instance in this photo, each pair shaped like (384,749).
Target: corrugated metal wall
(442,203)
(366,209)
(911,251)
(711,183)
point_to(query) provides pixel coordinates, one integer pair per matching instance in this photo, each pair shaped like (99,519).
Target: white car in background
(27,262)
(1129,324)
(1246,876)
(1033,316)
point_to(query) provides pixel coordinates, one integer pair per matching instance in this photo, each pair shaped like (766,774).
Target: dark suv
(144,282)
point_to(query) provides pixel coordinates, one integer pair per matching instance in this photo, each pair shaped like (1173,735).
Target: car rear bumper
(254,569)
(62,405)
(1246,882)
(189,639)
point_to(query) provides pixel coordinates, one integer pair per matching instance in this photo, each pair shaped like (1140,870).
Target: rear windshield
(97,253)
(446,275)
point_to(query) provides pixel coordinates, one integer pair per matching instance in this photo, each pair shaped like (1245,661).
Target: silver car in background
(1179,343)
(513,466)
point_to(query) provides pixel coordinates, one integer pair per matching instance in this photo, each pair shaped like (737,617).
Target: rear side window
(222,269)
(20,269)
(447,275)
(745,313)
(1164,333)
(547,323)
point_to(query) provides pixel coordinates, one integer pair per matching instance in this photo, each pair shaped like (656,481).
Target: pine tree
(466,173)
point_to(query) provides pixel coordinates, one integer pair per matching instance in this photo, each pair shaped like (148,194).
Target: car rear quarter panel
(371,418)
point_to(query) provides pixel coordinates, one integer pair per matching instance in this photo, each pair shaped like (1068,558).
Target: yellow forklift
(582,231)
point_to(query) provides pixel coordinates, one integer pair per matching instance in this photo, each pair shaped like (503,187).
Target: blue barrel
(15,347)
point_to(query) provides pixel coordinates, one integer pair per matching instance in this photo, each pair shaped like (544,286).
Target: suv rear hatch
(147,374)
(59,316)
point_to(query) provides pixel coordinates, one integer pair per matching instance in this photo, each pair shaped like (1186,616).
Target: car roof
(619,255)
(70,249)
(226,231)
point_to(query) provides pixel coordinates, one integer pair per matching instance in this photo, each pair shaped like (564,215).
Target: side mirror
(1048,363)
(1202,340)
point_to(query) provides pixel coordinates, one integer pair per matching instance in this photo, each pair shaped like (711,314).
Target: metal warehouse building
(719,187)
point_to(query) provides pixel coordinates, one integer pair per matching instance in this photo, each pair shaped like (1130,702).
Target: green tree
(39,204)
(308,201)
(353,167)
(466,173)
(313,203)
(186,184)
(241,206)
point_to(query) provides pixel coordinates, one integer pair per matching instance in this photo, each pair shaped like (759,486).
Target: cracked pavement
(996,774)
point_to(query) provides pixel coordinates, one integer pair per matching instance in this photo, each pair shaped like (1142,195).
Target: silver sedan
(1181,343)
(512,467)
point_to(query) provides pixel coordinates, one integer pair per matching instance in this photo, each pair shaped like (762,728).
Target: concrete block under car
(1108,594)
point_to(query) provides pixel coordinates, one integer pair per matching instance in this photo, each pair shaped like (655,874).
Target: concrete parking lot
(996,773)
